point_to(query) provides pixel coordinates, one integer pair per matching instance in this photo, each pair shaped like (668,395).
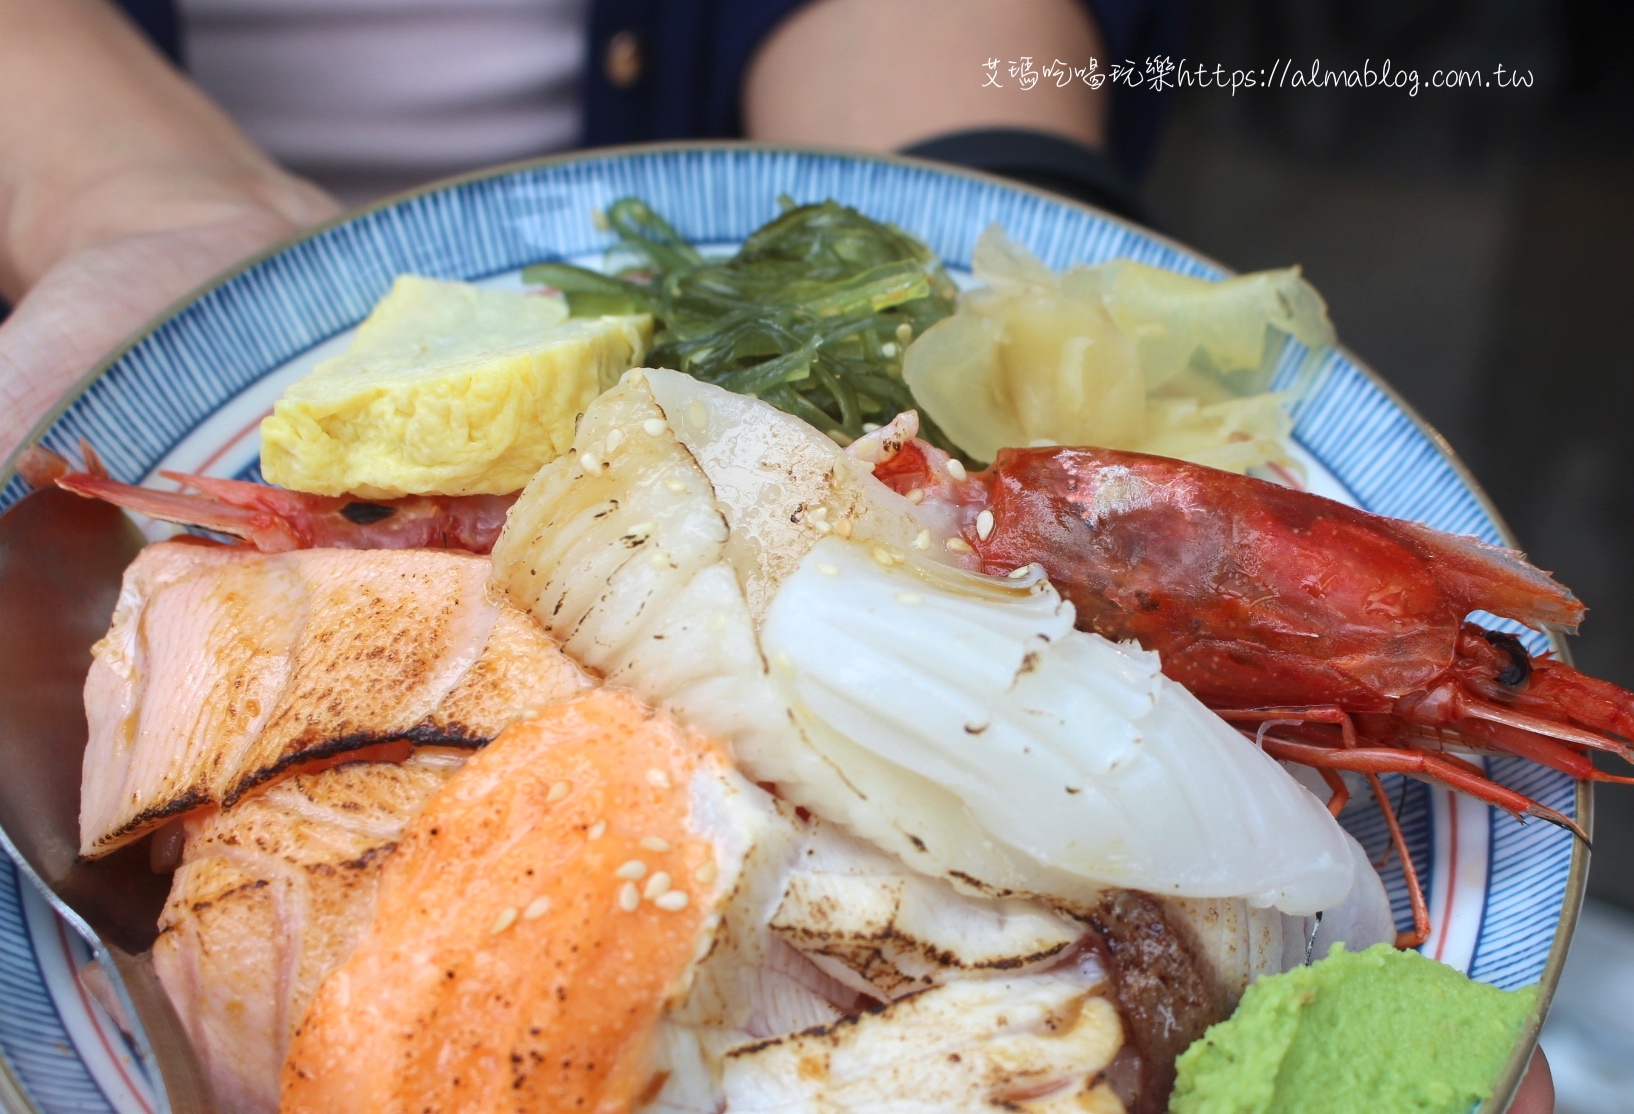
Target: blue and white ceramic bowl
(189,393)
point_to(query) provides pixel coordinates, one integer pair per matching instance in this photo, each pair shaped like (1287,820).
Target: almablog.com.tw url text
(1161,73)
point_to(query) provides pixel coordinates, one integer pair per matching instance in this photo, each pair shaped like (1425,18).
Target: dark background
(1475,247)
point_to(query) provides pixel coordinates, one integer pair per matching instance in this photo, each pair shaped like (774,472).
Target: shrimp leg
(1336,716)
(1431,767)
(1409,872)
(1341,792)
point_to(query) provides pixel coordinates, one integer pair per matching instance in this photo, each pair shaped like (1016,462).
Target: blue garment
(694,54)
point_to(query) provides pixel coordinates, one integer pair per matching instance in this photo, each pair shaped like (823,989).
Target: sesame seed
(597,830)
(705,873)
(843,528)
(957,470)
(697,416)
(659,559)
(506,918)
(884,556)
(589,463)
(654,426)
(869,427)
(888,349)
(1020,573)
(783,663)
(658,779)
(922,540)
(643,527)
(671,901)
(558,791)
(904,333)
(984,525)
(959,545)
(628,897)
(865,465)
(828,569)
(916,495)
(823,529)
(657,884)
(819,512)
(614,440)
(910,599)
(654,843)
(675,485)
(537,908)
(634,870)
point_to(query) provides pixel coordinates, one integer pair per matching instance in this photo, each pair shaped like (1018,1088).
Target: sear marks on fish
(1030,1043)
(750,984)
(821,928)
(1166,990)
(866,919)
(271,896)
(226,668)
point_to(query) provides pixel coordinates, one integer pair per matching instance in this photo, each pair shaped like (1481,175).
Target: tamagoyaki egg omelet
(447,389)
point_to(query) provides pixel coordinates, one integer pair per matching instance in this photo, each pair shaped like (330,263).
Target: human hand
(1537,1090)
(139,258)
(121,188)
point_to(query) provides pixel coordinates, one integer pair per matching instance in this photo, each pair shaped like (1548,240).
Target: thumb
(96,298)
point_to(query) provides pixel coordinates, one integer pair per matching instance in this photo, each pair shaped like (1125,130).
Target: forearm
(883,74)
(101,137)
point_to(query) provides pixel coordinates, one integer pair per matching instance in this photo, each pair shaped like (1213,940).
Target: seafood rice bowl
(805,675)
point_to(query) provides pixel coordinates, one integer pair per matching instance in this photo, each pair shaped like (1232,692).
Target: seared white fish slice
(886,930)
(751,984)
(1002,1044)
(225,668)
(784,958)
(271,896)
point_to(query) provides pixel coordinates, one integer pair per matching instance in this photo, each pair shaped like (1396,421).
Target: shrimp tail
(267,530)
(40,467)
(280,501)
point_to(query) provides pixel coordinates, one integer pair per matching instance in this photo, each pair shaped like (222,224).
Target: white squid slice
(1068,747)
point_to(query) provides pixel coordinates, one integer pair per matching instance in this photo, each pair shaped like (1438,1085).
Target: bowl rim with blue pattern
(209,347)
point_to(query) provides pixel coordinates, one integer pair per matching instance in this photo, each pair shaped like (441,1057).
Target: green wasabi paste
(1371,1031)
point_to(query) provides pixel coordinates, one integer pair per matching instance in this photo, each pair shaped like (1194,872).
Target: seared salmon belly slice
(271,896)
(534,924)
(225,668)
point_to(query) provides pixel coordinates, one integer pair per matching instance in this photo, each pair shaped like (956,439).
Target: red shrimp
(276,520)
(1343,630)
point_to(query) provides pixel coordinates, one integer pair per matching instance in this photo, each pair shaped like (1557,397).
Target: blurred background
(1477,249)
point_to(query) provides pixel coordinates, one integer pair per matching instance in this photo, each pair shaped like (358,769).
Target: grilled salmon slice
(271,896)
(225,668)
(535,922)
